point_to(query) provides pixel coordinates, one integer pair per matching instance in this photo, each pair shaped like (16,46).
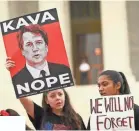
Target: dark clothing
(136,118)
(24,76)
(136,115)
(52,122)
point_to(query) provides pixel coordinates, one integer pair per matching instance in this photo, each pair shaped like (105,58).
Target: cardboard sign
(34,42)
(112,113)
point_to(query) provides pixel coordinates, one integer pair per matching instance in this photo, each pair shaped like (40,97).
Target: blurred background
(98,35)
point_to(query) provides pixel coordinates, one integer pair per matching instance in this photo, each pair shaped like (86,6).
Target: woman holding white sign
(56,112)
(111,82)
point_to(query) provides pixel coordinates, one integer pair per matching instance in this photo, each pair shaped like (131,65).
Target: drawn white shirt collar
(36,72)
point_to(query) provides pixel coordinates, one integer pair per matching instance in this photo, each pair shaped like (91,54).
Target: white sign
(12,123)
(112,113)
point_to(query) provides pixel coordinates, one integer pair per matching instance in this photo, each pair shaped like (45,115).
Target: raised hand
(9,63)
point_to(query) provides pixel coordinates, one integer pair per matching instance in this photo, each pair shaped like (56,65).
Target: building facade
(102,33)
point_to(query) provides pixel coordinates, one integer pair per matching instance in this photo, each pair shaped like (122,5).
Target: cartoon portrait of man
(33,43)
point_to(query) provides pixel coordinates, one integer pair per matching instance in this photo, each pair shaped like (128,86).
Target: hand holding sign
(34,50)
(9,63)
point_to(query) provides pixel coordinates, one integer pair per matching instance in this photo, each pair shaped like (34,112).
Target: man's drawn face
(34,48)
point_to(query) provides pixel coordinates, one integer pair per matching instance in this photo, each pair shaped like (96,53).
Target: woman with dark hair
(111,82)
(11,112)
(57,113)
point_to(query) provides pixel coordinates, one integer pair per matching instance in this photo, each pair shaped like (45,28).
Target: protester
(56,112)
(111,82)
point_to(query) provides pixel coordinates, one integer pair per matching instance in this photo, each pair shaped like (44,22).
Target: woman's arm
(28,105)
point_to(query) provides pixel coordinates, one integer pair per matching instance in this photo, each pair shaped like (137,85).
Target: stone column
(115,37)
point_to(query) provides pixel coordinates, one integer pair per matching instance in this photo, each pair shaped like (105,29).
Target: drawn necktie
(43,73)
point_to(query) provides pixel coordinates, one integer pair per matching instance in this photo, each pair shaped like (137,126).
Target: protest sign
(12,123)
(34,42)
(112,113)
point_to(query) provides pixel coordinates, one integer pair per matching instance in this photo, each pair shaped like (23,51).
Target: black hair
(118,77)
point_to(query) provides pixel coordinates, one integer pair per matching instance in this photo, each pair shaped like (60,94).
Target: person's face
(56,99)
(107,86)
(34,48)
